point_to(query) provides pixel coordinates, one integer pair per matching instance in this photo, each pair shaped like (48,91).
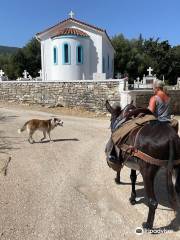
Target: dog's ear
(57,119)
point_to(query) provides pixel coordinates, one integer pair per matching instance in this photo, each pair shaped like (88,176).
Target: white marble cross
(25,74)
(1,73)
(138,79)
(150,70)
(40,73)
(71,14)
(118,76)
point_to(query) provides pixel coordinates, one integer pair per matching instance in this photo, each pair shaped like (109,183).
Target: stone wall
(89,95)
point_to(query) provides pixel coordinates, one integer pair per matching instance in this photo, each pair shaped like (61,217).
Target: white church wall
(92,60)
(95,47)
(47,59)
(42,61)
(107,50)
(72,70)
(96,53)
(94,50)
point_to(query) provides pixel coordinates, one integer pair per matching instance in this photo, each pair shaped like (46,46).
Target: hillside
(5,49)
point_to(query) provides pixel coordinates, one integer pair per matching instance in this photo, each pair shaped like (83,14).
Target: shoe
(112,158)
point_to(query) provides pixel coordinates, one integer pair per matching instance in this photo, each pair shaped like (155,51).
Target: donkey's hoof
(132,201)
(146,225)
(117,181)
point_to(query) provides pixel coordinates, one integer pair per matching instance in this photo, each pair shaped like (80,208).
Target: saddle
(119,134)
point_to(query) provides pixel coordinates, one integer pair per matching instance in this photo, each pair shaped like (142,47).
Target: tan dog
(43,125)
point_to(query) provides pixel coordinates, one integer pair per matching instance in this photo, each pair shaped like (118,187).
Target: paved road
(64,190)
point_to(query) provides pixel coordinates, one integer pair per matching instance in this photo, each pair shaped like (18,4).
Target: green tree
(28,57)
(19,63)
(32,51)
(122,48)
(136,55)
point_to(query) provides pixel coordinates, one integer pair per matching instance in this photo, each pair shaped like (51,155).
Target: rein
(134,152)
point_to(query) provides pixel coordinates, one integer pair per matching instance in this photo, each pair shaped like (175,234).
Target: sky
(20,20)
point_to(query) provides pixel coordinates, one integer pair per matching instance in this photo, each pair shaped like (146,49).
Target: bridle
(122,117)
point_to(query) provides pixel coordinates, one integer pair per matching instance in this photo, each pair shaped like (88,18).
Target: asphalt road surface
(65,190)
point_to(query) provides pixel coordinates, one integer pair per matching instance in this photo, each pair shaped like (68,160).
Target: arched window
(112,66)
(79,54)
(55,55)
(66,54)
(108,63)
(104,70)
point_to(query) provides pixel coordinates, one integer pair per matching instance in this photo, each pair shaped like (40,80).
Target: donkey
(158,141)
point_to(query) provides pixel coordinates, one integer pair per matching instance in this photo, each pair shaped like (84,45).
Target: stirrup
(112,158)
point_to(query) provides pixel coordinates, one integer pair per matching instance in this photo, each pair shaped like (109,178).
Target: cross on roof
(71,14)
(149,71)
(25,74)
(1,73)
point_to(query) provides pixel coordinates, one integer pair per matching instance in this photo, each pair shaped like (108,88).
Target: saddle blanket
(126,128)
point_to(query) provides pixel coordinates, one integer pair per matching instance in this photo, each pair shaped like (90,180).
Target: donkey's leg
(118,173)
(133,177)
(149,173)
(177,183)
(117,179)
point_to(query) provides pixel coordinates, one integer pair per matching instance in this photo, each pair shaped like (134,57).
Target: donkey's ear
(108,106)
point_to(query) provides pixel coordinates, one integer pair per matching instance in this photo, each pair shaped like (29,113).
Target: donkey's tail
(170,185)
(23,128)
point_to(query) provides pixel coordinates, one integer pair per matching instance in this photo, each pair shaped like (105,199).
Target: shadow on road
(7,118)
(129,183)
(6,144)
(59,140)
(65,139)
(162,198)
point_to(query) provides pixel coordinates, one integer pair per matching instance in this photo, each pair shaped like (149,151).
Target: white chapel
(75,50)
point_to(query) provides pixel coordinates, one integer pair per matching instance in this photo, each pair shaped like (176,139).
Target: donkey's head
(117,114)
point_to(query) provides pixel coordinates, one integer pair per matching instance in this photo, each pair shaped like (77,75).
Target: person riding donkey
(159,108)
(159,105)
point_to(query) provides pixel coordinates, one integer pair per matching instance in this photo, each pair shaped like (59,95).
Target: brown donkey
(148,148)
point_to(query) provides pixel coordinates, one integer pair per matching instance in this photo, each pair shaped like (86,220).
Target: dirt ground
(64,189)
(78,112)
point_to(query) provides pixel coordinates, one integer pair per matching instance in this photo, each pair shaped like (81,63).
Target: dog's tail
(23,128)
